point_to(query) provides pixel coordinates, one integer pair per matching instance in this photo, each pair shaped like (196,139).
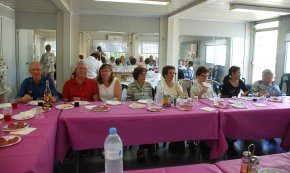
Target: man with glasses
(80,86)
(34,86)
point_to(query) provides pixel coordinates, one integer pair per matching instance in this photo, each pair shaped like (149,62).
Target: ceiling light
(259,9)
(151,2)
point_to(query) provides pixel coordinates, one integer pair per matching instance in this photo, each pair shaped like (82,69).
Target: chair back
(216,86)
(217,73)
(285,84)
(185,84)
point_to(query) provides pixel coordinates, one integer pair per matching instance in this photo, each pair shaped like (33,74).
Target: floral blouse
(47,62)
(196,87)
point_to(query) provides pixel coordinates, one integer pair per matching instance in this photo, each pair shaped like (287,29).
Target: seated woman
(200,87)
(170,87)
(232,84)
(266,86)
(140,89)
(109,86)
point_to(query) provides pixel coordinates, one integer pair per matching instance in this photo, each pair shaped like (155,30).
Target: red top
(85,91)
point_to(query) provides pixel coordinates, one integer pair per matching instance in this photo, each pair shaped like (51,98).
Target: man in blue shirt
(34,86)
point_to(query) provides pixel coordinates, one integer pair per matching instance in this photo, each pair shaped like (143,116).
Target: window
(111,48)
(149,48)
(287,58)
(216,54)
(265,49)
(238,53)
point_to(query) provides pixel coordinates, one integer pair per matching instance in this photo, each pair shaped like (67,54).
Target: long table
(35,153)
(271,121)
(88,130)
(199,168)
(278,161)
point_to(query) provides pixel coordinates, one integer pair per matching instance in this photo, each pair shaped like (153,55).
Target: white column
(135,44)
(162,43)
(173,42)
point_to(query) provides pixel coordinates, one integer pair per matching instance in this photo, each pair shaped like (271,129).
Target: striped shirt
(135,92)
(272,89)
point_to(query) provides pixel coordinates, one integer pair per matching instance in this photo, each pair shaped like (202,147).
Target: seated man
(266,86)
(34,86)
(80,86)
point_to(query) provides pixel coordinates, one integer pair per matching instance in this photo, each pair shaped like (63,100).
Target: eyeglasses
(143,73)
(204,75)
(105,71)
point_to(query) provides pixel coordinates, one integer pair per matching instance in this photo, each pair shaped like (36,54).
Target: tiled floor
(94,163)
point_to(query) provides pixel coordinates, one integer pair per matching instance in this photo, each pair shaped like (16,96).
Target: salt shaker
(253,164)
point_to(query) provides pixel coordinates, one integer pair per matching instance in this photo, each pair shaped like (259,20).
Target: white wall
(7,16)
(26,20)
(210,28)
(119,24)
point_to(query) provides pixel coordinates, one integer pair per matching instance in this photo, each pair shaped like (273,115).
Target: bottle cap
(254,160)
(113,131)
(247,154)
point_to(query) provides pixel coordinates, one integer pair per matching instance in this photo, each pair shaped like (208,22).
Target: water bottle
(159,94)
(113,152)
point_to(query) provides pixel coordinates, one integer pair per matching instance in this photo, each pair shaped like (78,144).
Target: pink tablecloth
(35,153)
(279,161)
(137,126)
(199,168)
(255,122)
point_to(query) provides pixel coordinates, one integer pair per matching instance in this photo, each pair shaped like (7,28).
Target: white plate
(113,102)
(64,106)
(223,106)
(23,116)
(13,130)
(144,101)
(184,107)
(81,102)
(260,104)
(155,108)
(250,98)
(276,100)
(89,107)
(272,170)
(235,101)
(241,106)
(219,100)
(10,137)
(137,106)
(1,116)
(34,102)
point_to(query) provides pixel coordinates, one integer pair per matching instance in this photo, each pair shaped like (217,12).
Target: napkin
(5,105)
(208,109)
(23,132)
(260,104)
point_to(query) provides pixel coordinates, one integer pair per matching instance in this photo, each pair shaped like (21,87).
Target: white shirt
(172,91)
(107,93)
(93,66)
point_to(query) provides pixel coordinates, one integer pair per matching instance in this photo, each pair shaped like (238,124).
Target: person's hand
(53,99)
(26,98)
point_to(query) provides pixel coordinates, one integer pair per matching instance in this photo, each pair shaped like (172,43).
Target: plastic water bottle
(159,94)
(113,152)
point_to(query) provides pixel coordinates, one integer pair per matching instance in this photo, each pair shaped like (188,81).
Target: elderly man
(34,86)
(80,86)
(266,86)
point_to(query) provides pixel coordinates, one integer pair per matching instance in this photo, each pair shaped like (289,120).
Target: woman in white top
(200,87)
(170,87)
(109,86)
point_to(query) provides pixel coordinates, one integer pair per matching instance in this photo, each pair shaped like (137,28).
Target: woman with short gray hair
(266,86)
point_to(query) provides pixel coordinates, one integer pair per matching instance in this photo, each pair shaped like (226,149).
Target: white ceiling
(215,10)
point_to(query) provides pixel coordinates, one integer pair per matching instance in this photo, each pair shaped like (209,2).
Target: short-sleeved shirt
(29,87)
(135,92)
(272,89)
(228,90)
(172,91)
(47,62)
(85,91)
(196,87)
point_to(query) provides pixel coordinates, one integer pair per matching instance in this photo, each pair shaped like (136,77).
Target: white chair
(185,84)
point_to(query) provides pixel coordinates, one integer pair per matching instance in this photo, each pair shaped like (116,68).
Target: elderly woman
(232,84)
(200,87)
(266,86)
(109,86)
(139,89)
(170,87)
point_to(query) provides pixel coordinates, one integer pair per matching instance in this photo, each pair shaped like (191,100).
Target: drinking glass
(76,101)
(7,112)
(195,100)
(39,112)
(13,103)
(149,102)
